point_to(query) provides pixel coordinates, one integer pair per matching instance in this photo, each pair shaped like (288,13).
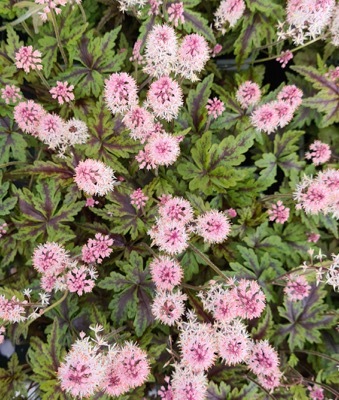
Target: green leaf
(12,379)
(194,22)
(12,144)
(268,163)
(13,42)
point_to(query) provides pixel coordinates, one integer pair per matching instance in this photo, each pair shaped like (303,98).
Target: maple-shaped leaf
(45,213)
(45,359)
(327,99)
(133,290)
(12,144)
(6,204)
(306,318)
(12,379)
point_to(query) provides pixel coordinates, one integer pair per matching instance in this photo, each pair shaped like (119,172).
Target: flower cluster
(297,288)
(284,58)
(319,153)
(12,310)
(279,213)
(28,59)
(3,229)
(139,199)
(11,94)
(62,92)
(215,107)
(228,12)
(97,249)
(50,6)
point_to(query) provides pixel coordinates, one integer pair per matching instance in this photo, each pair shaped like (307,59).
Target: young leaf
(12,144)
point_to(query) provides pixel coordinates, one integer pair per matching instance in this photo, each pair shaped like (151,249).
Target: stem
(149,249)
(207,261)
(43,79)
(314,353)
(84,17)
(146,82)
(208,123)
(11,163)
(311,267)
(261,387)
(57,35)
(55,304)
(275,196)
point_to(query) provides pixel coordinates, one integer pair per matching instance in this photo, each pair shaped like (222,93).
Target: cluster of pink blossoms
(285,57)
(215,107)
(3,229)
(28,59)
(11,94)
(12,310)
(319,153)
(279,212)
(51,6)
(228,13)
(138,198)
(62,92)
(89,368)
(297,288)
(319,194)
(97,249)
(176,13)
(278,113)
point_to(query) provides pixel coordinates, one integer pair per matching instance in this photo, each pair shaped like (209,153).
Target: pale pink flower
(50,130)
(188,385)
(97,249)
(292,95)
(75,132)
(133,365)
(165,98)
(155,7)
(249,298)
(315,199)
(176,13)
(144,159)
(319,153)
(130,4)
(138,198)
(12,310)
(270,380)
(27,115)
(170,237)
(79,280)
(265,118)
(297,288)
(316,392)
(164,198)
(50,6)
(192,56)
(279,213)
(313,237)
(166,393)
(263,358)
(231,212)
(2,336)
(248,94)
(113,383)
(82,372)
(94,177)
(161,51)
(140,122)
(28,59)
(162,149)
(50,258)
(216,50)
(166,272)
(334,29)
(330,178)
(229,11)
(215,107)
(168,307)
(213,226)
(90,202)
(285,57)
(120,92)
(48,283)
(136,53)
(284,111)
(11,94)
(3,229)
(62,92)
(176,209)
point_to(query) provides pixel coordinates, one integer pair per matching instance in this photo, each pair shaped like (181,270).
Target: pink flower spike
(12,310)
(249,298)
(170,237)
(284,111)
(319,153)
(11,94)
(79,280)
(27,115)
(166,273)
(114,384)
(166,393)
(263,358)
(284,58)
(162,149)
(231,212)
(213,226)
(229,11)
(188,385)
(297,288)
(140,122)
(248,94)
(279,213)
(265,118)
(97,249)
(139,199)
(90,202)
(215,107)
(270,380)
(176,13)
(120,92)
(155,7)
(168,307)
(176,209)
(50,6)
(50,259)
(62,92)
(136,53)
(28,59)
(50,130)
(316,392)
(313,237)
(216,50)
(291,95)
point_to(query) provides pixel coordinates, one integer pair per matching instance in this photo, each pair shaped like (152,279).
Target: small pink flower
(114,384)
(50,259)
(11,94)
(27,115)
(155,7)
(249,298)
(28,59)
(90,202)
(215,107)
(168,307)
(263,358)
(313,237)
(120,92)
(50,130)
(284,58)
(97,249)
(216,50)
(48,283)
(3,229)
(79,280)
(162,149)
(166,272)
(136,53)
(291,95)
(213,226)
(270,380)
(94,177)
(284,111)
(176,13)
(319,153)
(140,122)
(231,212)
(144,159)
(2,336)
(50,6)
(12,310)
(62,92)
(188,385)
(166,393)
(316,392)
(229,11)
(75,132)
(279,213)
(297,288)
(265,118)
(176,209)
(139,199)
(170,237)
(248,94)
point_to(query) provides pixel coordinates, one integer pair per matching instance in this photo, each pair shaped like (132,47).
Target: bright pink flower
(140,122)
(297,288)
(114,384)
(166,393)
(97,249)
(270,380)
(292,95)
(11,94)
(284,58)
(144,159)
(50,130)
(62,92)
(168,307)
(284,111)
(166,272)
(215,107)
(176,209)
(136,53)
(263,358)
(279,213)
(176,13)
(319,152)
(12,310)
(139,199)
(216,50)
(313,237)
(48,283)
(265,118)
(90,202)
(213,226)
(121,92)
(192,56)
(94,177)
(188,385)
(316,392)
(316,198)
(229,11)
(28,59)
(170,237)
(155,7)
(50,6)
(162,149)
(231,212)
(79,280)
(249,298)
(330,178)
(248,94)
(75,132)
(3,229)
(27,115)
(165,98)
(50,259)
(133,365)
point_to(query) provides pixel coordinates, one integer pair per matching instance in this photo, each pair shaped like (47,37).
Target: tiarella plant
(169,196)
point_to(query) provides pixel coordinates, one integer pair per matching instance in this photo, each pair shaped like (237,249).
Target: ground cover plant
(169,199)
